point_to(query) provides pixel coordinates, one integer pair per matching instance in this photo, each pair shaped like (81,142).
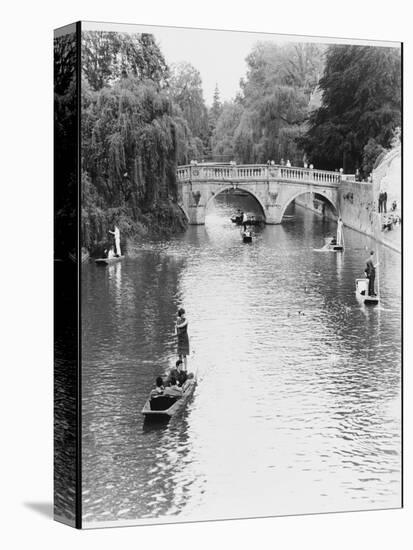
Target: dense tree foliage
(273,104)
(107,56)
(134,134)
(141,119)
(361,107)
(222,141)
(185,86)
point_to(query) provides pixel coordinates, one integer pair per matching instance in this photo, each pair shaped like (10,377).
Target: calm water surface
(297,407)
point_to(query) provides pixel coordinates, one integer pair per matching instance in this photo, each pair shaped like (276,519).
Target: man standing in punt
(339,232)
(371,273)
(116,234)
(182,335)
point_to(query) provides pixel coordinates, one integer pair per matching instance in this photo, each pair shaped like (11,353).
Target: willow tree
(108,56)
(275,96)
(130,150)
(133,136)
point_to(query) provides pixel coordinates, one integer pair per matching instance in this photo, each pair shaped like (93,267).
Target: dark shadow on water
(155,424)
(43,508)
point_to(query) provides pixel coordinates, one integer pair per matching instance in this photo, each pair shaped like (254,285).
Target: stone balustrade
(258,173)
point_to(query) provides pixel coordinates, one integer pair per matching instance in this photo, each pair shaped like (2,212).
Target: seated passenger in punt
(159,388)
(109,253)
(173,390)
(174,373)
(187,382)
(181,375)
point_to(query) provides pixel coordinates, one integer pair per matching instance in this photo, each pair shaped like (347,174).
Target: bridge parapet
(257,172)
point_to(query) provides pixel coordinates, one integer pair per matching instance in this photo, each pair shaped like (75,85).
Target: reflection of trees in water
(160,296)
(135,305)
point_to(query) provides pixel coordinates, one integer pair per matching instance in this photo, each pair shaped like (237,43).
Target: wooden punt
(328,247)
(247,237)
(362,289)
(108,261)
(250,221)
(166,406)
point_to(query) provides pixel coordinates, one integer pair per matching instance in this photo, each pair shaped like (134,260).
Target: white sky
(218,55)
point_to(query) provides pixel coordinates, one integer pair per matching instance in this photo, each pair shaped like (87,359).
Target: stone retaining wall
(358,210)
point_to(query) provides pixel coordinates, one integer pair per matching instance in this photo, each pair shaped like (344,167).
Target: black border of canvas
(79,285)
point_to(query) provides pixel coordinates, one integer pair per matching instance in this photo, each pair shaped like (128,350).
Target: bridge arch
(231,188)
(328,199)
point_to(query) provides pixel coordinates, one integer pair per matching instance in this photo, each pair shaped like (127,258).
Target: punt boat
(330,247)
(166,405)
(246,236)
(107,261)
(362,292)
(236,219)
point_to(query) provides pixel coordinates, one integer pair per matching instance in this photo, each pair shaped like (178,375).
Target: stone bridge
(274,187)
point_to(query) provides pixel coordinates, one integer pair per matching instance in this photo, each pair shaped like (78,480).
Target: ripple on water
(297,407)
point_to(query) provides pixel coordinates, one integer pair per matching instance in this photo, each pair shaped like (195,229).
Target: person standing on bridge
(116,234)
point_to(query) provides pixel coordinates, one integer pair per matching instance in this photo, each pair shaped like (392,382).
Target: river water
(298,402)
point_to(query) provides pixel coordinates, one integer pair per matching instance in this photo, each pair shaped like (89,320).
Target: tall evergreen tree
(361,100)
(216,108)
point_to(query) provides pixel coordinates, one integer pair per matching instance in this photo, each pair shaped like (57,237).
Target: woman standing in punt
(182,335)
